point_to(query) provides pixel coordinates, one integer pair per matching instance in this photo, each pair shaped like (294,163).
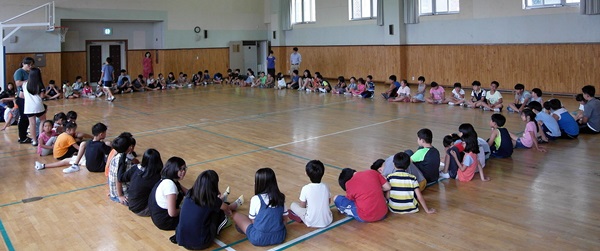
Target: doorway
(98,51)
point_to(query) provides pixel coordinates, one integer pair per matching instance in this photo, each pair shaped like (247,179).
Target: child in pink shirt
(529,138)
(46,139)
(437,94)
(470,162)
(360,88)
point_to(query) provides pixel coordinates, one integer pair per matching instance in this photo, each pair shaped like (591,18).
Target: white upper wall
(479,22)
(225,20)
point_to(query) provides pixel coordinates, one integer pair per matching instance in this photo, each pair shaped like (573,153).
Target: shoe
(385,96)
(26,141)
(510,109)
(462,104)
(73,168)
(444,175)
(100,94)
(294,216)
(497,110)
(110,99)
(39,166)
(34,143)
(239,201)
(225,194)
(451,103)
(486,109)
(173,239)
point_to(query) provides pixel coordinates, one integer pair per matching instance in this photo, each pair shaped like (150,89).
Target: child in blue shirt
(546,123)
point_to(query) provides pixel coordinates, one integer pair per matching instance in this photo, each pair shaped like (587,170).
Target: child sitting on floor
(313,208)
(529,138)
(469,164)
(458,95)
(264,226)
(427,157)
(500,141)
(404,189)
(364,200)
(477,96)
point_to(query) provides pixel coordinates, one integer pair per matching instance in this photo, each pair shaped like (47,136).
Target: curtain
(380,12)
(590,7)
(286,8)
(411,11)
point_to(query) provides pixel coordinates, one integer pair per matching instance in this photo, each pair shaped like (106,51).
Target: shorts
(107,84)
(520,145)
(68,154)
(518,106)
(347,207)
(420,97)
(39,114)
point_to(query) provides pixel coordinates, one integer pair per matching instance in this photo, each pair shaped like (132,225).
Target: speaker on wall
(205,34)
(391,31)
(274,34)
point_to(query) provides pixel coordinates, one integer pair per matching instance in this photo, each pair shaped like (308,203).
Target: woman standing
(33,91)
(147,65)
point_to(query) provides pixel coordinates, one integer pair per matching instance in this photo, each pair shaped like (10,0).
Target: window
(303,11)
(434,7)
(362,9)
(548,3)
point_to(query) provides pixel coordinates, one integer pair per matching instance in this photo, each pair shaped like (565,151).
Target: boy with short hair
(458,95)
(420,95)
(386,167)
(427,157)
(590,122)
(500,142)
(11,114)
(477,96)
(394,85)
(313,208)
(119,164)
(95,151)
(522,98)
(536,95)
(64,148)
(404,189)
(493,98)
(546,123)
(364,200)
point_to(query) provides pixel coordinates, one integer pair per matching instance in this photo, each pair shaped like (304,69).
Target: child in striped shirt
(405,195)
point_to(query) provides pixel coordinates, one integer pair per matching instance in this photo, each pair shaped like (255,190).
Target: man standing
(295,60)
(21,76)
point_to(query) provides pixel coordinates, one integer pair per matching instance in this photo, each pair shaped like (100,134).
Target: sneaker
(239,201)
(73,168)
(26,141)
(39,166)
(385,96)
(462,104)
(510,109)
(451,103)
(225,194)
(486,109)
(110,99)
(444,175)
(497,110)
(34,143)
(294,216)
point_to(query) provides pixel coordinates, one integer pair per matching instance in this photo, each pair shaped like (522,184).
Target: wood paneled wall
(52,70)
(556,68)
(74,64)
(189,61)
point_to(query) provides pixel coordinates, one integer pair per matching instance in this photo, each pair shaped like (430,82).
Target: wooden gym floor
(535,201)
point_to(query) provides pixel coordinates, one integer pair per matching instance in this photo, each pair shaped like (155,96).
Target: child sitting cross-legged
(470,163)
(404,189)
(64,148)
(364,200)
(313,208)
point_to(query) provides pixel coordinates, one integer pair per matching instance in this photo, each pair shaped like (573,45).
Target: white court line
(335,133)
(310,234)
(222,244)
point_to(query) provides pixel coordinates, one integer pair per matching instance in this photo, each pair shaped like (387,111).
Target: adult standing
(271,63)
(106,79)
(590,123)
(147,65)
(33,92)
(295,59)
(21,75)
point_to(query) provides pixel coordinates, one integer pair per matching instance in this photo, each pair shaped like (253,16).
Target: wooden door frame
(88,42)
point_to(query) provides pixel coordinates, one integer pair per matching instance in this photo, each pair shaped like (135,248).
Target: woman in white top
(33,91)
